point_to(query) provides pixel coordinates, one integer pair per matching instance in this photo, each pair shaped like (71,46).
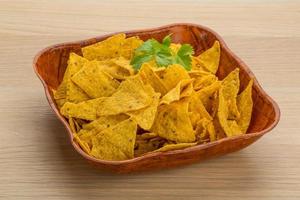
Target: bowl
(50,64)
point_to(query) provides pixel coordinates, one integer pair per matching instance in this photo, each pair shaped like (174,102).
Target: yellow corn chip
(60,102)
(182,89)
(124,64)
(196,106)
(198,73)
(105,122)
(230,127)
(187,90)
(60,93)
(119,68)
(170,147)
(73,93)
(131,95)
(145,116)
(85,147)
(172,75)
(83,110)
(109,48)
(173,123)
(245,104)
(72,125)
(209,59)
(130,44)
(94,81)
(115,143)
(204,81)
(146,136)
(207,95)
(67,89)
(205,128)
(87,135)
(219,130)
(150,77)
(175,48)
(194,117)
(77,126)
(231,85)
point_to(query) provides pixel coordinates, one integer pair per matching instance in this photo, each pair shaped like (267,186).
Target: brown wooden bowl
(50,64)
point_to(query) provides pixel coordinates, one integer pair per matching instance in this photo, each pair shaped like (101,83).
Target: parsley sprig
(161,53)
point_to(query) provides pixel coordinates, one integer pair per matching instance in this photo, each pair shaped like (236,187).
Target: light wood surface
(36,160)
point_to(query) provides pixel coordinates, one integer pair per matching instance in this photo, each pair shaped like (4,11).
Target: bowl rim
(154,154)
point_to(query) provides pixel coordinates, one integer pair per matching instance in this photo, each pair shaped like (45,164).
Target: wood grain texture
(37,160)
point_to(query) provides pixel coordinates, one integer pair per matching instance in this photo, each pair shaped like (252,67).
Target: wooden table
(36,159)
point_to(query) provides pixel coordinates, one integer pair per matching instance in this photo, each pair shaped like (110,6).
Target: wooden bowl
(50,64)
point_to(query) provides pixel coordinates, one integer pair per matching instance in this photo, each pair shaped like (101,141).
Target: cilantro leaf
(137,61)
(161,53)
(163,59)
(146,46)
(183,56)
(167,40)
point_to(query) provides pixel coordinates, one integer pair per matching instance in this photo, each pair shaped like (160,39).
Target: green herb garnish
(161,53)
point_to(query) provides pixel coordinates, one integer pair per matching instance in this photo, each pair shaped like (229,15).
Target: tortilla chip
(84,146)
(146,136)
(245,105)
(77,126)
(196,106)
(87,135)
(218,129)
(150,77)
(152,63)
(206,130)
(172,75)
(131,95)
(209,59)
(231,86)
(204,81)
(145,116)
(115,143)
(94,81)
(81,122)
(187,90)
(170,147)
(198,73)
(60,93)
(83,110)
(93,128)
(173,123)
(183,89)
(60,102)
(230,127)
(194,117)
(73,93)
(124,64)
(72,125)
(207,94)
(67,89)
(119,68)
(106,49)
(175,48)
(129,45)
(105,122)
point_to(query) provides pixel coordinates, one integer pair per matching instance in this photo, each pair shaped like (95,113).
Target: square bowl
(50,64)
